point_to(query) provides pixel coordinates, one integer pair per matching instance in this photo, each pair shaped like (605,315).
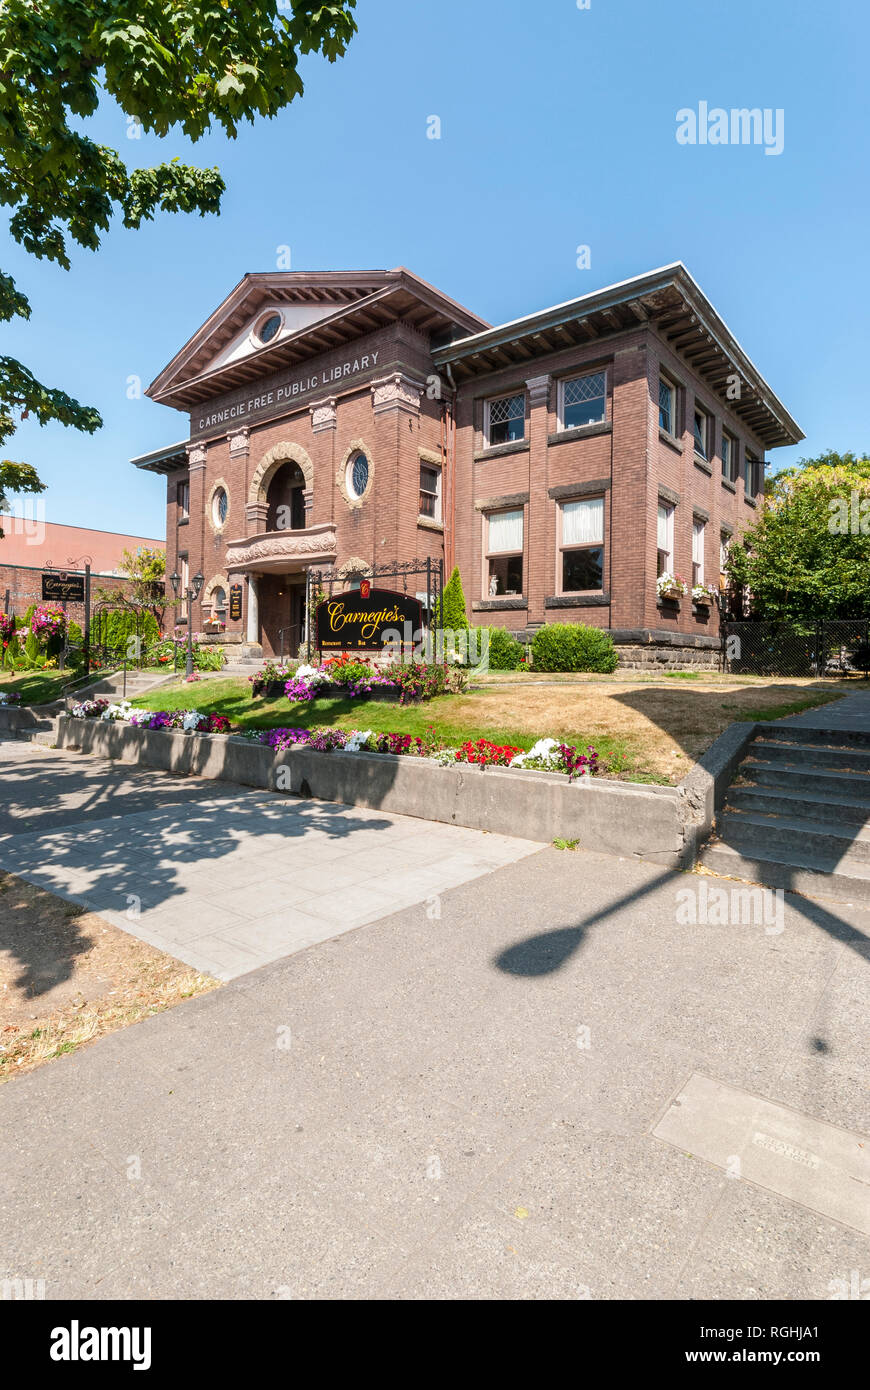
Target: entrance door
(282,613)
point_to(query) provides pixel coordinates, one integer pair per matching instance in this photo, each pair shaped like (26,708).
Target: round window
(357,475)
(269,327)
(219,507)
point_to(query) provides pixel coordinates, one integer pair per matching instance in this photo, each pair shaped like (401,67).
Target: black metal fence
(837,648)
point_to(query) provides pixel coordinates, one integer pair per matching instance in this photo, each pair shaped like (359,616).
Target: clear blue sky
(558,129)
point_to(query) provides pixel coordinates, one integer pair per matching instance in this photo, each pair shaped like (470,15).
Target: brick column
(196,462)
(538,539)
(631,539)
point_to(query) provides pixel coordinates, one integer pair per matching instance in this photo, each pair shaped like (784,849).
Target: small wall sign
(235,603)
(63,588)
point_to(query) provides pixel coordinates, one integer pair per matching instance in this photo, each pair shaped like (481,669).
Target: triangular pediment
(275,317)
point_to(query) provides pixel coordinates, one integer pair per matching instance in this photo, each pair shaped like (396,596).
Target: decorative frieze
(324,415)
(396,392)
(239,442)
(196,457)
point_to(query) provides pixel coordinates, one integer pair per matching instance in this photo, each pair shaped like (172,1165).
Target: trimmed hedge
(505,652)
(573,647)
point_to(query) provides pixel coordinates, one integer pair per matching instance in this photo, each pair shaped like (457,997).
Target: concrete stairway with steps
(38,723)
(797,815)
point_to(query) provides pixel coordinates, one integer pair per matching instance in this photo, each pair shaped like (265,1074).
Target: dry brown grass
(68,977)
(660,728)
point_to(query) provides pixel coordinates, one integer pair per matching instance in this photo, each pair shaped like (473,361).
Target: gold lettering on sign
(369,622)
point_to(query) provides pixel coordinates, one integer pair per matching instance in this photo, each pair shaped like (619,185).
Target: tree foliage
(807,558)
(188,64)
(452,615)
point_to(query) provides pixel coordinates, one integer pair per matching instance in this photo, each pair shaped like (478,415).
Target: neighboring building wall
(21,586)
(30,541)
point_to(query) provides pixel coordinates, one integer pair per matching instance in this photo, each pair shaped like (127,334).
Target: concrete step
(812,755)
(804,733)
(816,878)
(817,782)
(795,839)
(779,801)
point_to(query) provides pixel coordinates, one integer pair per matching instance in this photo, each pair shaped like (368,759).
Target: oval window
(357,475)
(269,327)
(219,507)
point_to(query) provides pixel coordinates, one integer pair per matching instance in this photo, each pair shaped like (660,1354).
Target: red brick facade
(277,429)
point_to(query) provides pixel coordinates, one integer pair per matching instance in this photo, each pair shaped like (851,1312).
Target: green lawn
(41,687)
(456,717)
(642,732)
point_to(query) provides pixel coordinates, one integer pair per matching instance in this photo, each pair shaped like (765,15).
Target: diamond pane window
(701,428)
(506,419)
(584,400)
(666,406)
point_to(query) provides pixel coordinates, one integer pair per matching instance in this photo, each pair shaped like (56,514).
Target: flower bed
(547,755)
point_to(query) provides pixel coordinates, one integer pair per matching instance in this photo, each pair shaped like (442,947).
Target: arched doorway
(285,499)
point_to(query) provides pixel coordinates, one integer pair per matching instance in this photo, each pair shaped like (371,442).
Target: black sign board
(235,603)
(63,588)
(359,619)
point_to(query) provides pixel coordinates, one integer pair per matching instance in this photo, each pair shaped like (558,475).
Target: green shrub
(505,652)
(113,628)
(452,615)
(573,647)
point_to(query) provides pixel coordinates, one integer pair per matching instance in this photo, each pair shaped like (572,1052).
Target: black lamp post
(190,595)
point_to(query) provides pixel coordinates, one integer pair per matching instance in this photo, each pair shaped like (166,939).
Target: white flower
(357,740)
(119,711)
(544,750)
(192,720)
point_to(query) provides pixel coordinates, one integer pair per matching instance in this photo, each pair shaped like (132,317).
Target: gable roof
(670,301)
(344,305)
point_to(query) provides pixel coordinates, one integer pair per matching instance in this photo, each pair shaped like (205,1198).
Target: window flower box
(671,587)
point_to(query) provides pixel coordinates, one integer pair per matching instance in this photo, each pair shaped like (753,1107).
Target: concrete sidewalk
(224,878)
(517,1096)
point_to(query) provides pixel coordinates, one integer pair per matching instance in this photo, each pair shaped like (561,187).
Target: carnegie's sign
(367,619)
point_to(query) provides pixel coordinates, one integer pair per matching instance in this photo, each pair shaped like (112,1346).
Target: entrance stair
(797,814)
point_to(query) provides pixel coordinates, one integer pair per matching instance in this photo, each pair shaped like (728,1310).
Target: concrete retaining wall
(611,817)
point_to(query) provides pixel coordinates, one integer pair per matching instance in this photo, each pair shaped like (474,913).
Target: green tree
(452,615)
(146,576)
(807,558)
(192,64)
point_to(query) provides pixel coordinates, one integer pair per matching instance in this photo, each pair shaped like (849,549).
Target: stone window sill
(750,501)
(580,432)
(427,524)
(731,487)
(704,465)
(671,440)
(588,600)
(184,521)
(496,605)
(495,451)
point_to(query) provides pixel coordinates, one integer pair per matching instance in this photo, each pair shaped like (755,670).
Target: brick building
(30,546)
(563,460)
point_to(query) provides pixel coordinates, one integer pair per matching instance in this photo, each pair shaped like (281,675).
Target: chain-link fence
(832,649)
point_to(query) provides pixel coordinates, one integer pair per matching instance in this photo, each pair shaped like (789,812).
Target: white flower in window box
(703,596)
(671,586)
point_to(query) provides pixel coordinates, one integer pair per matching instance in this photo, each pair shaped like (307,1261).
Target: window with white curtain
(581,542)
(698,531)
(665,539)
(504,553)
